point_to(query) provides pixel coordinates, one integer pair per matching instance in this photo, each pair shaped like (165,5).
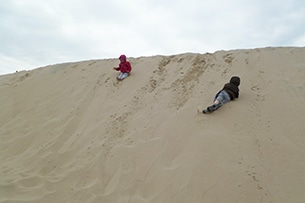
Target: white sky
(35,33)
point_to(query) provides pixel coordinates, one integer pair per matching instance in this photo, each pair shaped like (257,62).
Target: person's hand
(114,68)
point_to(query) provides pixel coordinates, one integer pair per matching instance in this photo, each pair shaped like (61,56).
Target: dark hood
(235,80)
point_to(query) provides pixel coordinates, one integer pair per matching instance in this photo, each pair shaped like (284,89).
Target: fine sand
(72,133)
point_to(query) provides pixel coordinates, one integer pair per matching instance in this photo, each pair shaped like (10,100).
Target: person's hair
(235,80)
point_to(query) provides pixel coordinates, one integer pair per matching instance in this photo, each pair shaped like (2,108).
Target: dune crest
(72,133)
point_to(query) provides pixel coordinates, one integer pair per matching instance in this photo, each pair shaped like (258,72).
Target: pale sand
(72,133)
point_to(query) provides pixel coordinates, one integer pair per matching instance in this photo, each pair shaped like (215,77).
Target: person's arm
(117,68)
(128,67)
(237,94)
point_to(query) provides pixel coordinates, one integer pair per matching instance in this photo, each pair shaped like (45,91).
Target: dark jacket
(232,87)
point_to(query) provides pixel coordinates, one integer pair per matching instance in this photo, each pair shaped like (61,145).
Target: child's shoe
(208,110)
(205,111)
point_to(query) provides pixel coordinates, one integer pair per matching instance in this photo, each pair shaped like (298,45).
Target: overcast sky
(35,33)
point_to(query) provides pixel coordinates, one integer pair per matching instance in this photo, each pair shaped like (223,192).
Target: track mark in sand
(296,91)
(259,95)
(183,87)
(164,62)
(92,63)
(21,78)
(25,76)
(117,124)
(256,136)
(225,72)
(259,86)
(152,85)
(228,58)
(107,80)
(99,81)
(254,177)
(180,60)
(74,66)
(158,76)
(116,130)
(256,180)
(111,85)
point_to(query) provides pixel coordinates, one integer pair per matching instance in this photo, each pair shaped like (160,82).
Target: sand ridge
(72,133)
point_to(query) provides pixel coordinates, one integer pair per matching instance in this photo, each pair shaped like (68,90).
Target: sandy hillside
(71,133)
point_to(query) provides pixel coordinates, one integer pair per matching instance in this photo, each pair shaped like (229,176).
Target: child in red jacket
(124,67)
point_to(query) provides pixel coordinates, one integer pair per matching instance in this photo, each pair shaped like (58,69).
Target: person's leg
(122,76)
(222,98)
(217,101)
(119,76)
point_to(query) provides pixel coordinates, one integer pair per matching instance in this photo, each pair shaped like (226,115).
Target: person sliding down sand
(124,67)
(229,92)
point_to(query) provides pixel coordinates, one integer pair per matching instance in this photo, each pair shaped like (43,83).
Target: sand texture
(72,133)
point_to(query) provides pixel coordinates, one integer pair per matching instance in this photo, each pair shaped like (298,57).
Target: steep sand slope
(72,133)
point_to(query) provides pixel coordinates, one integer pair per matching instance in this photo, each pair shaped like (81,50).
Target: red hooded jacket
(124,67)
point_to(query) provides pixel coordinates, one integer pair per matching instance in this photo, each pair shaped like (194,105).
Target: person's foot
(212,108)
(208,110)
(205,111)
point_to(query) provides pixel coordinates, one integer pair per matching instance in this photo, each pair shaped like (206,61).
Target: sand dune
(72,133)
